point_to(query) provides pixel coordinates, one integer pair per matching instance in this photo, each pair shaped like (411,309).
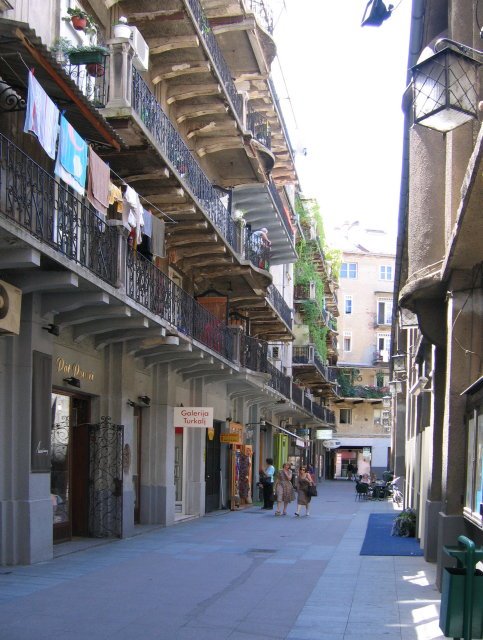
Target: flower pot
(79,23)
(121,30)
(95,70)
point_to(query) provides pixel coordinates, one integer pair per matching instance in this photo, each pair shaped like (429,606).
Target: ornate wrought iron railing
(53,213)
(221,66)
(307,354)
(278,380)
(90,79)
(282,210)
(151,288)
(258,124)
(323,413)
(253,353)
(278,303)
(256,250)
(260,9)
(181,159)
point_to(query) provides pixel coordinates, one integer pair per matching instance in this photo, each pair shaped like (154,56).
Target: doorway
(136,462)
(213,468)
(69,484)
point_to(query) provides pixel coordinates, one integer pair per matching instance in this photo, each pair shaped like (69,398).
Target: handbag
(312,490)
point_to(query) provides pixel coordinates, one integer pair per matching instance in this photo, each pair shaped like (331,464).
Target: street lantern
(386,401)
(445,90)
(399,362)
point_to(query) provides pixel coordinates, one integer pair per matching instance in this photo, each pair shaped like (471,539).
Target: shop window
(474,473)
(345,416)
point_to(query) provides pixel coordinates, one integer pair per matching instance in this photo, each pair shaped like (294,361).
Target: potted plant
(121,29)
(93,56)
(60,48)
(81,21)
(405,524)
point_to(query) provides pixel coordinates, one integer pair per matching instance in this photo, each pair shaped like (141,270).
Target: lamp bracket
(464,48)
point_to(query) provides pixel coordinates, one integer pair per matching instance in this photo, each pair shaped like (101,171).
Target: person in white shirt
(269,472)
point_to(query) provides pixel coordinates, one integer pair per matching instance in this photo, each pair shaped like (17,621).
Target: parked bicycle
(395,492)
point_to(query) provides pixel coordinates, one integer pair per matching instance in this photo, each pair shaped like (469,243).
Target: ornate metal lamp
(446,87)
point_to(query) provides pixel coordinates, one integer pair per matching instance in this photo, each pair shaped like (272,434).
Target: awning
(24,50)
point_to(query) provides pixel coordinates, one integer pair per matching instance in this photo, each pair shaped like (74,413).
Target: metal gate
(105,478)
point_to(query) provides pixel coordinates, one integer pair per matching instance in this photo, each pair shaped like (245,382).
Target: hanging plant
(80,19)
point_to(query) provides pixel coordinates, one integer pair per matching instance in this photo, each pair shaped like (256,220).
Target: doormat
(379,541)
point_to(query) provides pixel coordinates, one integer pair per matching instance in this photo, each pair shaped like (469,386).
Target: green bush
(405,524)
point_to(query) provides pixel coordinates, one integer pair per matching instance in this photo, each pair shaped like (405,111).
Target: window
(347,305)
(348,270)
(345,416)
(385,272)
(377,416)
(347,345)
(383,346)
(384,310)
(474,474)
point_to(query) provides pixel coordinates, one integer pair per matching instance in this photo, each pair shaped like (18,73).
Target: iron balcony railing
(256,250)
(278,380)
(323,413)
(297,395)
(221,67)
(278,303)
(151,288)
(258,124)
(308,355)
(181,159)
(90,78)
(253,353)
(52,212)
(282,210)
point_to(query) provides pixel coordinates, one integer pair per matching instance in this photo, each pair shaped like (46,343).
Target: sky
(344,83)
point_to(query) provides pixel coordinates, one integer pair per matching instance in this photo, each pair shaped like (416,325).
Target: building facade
(437,365)
(138,381)
(363,413)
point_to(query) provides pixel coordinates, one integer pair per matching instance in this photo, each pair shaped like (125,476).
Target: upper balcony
(309,371)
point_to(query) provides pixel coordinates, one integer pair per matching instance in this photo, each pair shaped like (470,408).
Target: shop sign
(299,443)
(331,444)
(323,434)
(230,438)
(201,417)
(74,369)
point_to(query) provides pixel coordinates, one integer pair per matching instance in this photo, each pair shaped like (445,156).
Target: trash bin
(451,617)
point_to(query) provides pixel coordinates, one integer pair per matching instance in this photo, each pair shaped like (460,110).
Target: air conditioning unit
(141,50)
(10,304)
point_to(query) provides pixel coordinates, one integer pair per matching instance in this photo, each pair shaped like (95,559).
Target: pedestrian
(303,499)
(311,472)
(284,489)
(350,471)
(267,481)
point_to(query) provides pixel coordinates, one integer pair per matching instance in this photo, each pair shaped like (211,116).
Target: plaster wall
(365,290)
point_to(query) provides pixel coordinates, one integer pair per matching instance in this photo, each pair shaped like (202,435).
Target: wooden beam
(169,71)
(161,16)
(194,239)
(217,128)
(220,145)
(186,92)
(161,45)
(69,92)
(197,251)
(231,23)
(190,111)
(197,226)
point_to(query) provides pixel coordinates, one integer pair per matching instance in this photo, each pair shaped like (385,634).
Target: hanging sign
(230,438)
(331,444)
(323,434)
(201,417)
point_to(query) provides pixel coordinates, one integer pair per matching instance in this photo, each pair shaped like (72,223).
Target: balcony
(49,211)
(310,372)
(262,206)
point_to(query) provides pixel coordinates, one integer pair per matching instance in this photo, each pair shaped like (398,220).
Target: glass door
(178,469)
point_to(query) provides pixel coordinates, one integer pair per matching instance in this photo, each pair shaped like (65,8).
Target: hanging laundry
(71,164)
(42,117)
(157,238)
(133,211)
(98,182)
(148,223)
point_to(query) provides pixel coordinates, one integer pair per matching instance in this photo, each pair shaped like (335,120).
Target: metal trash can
(451,617)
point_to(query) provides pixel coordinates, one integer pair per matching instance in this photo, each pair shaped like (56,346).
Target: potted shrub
(81,21)
(405,524)
(121,29)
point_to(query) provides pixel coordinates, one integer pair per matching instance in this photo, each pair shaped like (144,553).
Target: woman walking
(304,480)
(284,489)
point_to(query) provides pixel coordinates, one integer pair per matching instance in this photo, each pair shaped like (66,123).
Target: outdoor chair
(362,491)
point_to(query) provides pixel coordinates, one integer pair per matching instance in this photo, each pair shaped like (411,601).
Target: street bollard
(461,613)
